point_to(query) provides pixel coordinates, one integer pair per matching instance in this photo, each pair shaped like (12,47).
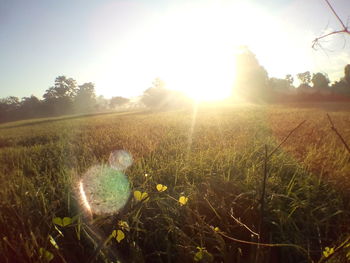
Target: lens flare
(120,160)
(83,197)
(104,190)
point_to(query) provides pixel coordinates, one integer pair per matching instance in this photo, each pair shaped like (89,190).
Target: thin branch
(343,30)
(337,133)
(285,139)
(242,224)
(315,42)
(335,13)
(266,244)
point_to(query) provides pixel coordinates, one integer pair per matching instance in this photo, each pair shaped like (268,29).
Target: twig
(242,224)
(262,201)
(210,205)
(315,41)
(339,135)
(343,30)
(265,244)
(340,21)
(285,139)
(251,242)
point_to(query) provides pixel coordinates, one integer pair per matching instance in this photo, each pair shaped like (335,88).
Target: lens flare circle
(120,160)
(104,190)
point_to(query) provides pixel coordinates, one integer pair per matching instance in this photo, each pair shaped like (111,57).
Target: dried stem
(337,133)
(285,139)
(242,224)
(262,201)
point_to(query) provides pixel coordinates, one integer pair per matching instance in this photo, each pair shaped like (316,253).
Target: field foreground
(196,187)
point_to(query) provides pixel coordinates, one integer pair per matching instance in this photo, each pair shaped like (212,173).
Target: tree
(158,97)
(59,98)
(347,74)
(64,88)
(9,108)
(305,77)
(101,103)
(320,81)
(343,86)
(290,79)
(118,101)
(30,107)
(279,85)
(251,77)
(85,98)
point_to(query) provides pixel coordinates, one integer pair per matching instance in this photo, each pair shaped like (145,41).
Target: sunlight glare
(192,49)
(83,197)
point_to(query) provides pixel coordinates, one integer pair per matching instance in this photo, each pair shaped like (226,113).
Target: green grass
(218,166)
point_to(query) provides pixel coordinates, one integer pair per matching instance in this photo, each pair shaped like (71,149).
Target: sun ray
(191,130)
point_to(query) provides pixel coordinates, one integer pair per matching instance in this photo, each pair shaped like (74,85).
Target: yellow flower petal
(161,188)
(137,195)
(124,225)
(120,235)
(140,196)
(328,251)
(183,200)
(144,196)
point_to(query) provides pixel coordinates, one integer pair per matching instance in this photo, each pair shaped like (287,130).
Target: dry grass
(217,166)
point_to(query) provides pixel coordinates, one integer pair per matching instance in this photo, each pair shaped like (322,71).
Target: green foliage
(66,221)
(320,81)
(305,77)
(347,74)
(85,98)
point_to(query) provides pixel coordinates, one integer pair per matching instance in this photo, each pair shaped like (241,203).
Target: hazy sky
(122,46)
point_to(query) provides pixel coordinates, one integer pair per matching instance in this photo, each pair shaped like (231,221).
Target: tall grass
(218,167)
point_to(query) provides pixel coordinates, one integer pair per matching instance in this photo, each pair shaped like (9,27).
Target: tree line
(251,83)
(64,97)
(254,84)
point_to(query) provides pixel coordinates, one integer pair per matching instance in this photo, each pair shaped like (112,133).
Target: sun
(203,82)
(207,74)
(192,48)
(198,61)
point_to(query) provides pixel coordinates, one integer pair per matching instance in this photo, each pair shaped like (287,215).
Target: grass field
(214,158)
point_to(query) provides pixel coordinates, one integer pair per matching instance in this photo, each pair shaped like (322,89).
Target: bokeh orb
(120,160)
(104,190)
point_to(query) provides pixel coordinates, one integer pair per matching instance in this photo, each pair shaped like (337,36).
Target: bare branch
(335,13)
(343,30)
(315,42)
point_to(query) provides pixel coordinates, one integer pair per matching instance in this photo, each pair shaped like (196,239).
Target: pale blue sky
(122,46)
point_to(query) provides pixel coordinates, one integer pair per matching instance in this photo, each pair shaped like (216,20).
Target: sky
(123,45)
